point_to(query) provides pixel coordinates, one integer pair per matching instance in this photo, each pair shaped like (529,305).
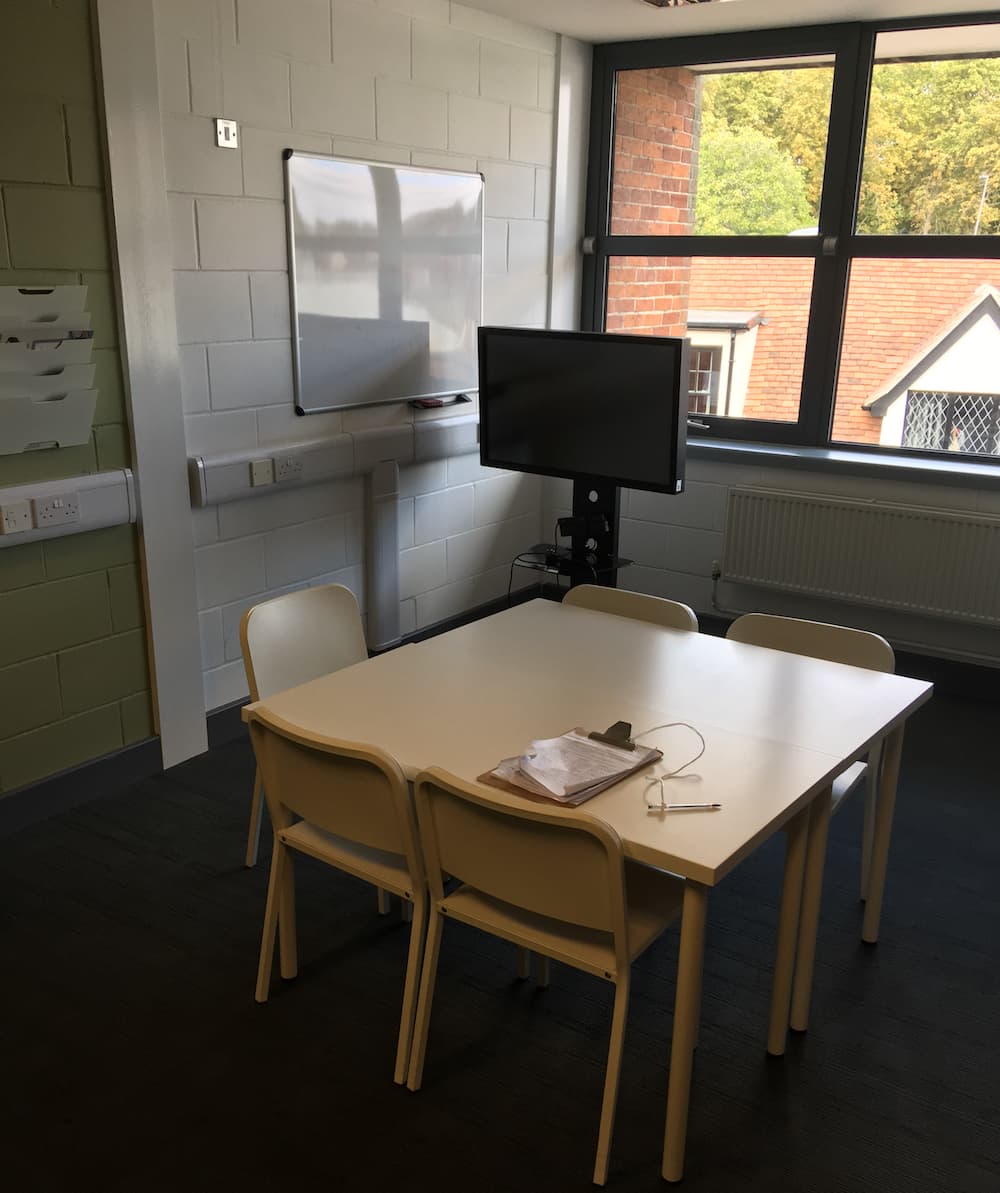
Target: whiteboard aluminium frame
(287,155)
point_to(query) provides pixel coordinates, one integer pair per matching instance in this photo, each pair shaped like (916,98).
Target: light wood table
(778,729)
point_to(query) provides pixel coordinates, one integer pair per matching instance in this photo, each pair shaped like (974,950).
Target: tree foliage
(747,184)
(933,133)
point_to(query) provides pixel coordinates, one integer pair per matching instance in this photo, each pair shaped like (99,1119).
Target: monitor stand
(594,551)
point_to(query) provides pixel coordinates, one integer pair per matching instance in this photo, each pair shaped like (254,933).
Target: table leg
(884,807)
(812,890)
(687,1008)
(796,836)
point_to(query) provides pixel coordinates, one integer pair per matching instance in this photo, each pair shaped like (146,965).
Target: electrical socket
(15,517)
(288,468)
(55,510)
(261,472)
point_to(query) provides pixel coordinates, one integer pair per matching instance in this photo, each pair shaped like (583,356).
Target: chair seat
(654,902)
(385,870)
(846,783)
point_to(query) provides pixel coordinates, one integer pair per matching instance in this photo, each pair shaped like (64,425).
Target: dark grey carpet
(135,1059)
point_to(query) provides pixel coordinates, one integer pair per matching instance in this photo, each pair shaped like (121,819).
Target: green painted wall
(74,682)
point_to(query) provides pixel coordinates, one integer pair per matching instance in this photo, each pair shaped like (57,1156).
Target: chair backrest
(353,791)
(638,605)
(549,860)
(300,636)
(817,639)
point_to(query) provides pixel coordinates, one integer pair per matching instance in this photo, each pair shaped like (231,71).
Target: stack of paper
(572,768)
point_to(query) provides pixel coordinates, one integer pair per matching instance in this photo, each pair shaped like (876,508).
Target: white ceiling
(625,20)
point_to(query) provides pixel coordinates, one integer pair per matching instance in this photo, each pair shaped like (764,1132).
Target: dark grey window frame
(852,48)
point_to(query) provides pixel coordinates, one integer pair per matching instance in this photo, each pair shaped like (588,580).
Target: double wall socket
(55,511)
(39,513)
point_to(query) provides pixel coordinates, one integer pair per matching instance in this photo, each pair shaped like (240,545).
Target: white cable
(660,779)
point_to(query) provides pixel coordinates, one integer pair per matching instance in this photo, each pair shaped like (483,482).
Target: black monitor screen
(584,406)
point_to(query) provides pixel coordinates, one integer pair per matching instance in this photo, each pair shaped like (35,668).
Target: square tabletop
(777,727)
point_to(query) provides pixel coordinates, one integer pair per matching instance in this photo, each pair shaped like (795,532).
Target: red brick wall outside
(779,290)
(896,309)
(652,187)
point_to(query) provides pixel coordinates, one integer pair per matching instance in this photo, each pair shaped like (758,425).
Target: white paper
(573,767)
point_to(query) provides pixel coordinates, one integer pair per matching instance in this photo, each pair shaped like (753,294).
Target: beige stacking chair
(290,640)
(357,816)
(836,644)
(549,879)
(637,605)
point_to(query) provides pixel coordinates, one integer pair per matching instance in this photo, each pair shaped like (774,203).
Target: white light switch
(225,133)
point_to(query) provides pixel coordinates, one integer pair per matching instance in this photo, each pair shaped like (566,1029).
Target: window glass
(931,163)
(720,151)
(920,358)
(745,317)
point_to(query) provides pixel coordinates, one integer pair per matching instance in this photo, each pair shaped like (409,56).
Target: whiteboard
(386,281)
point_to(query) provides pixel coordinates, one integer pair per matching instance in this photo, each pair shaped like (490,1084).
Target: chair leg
(611,1078)
(384,904)
(543,970)
(812,891)
(256,810)
(270,925)
(418,929)
(523,963)
(422,1022)
(288,953)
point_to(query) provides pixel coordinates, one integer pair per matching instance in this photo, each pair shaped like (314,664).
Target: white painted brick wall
(334,99)
(412,115)
(241,234)
(424,82)
(269,306)
(212,306)
(271,28)
(509,73)
(479,126)
(182,232)
(251,373)
(446,58)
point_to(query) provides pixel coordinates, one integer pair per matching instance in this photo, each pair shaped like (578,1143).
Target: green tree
(790,106)
(748,184)
(933,132)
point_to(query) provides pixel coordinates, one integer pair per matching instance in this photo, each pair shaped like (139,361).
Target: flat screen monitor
(587,406)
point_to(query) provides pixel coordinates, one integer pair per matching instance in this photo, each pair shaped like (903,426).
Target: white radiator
(926,561)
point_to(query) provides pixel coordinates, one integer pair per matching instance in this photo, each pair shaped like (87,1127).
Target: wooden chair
(837,644)
(638,605)
(290,640)
(549,879)
(356,815)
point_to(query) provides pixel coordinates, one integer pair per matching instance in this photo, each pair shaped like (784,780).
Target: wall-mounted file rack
(47,397)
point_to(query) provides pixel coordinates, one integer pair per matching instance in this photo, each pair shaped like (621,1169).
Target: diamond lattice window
(937,421)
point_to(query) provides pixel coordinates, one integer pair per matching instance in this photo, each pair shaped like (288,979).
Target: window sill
(964,474)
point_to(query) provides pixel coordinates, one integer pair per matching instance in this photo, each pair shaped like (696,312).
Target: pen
(691,807)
